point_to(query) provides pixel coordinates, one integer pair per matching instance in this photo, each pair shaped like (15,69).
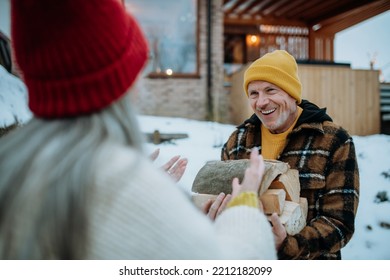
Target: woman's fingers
(253,175)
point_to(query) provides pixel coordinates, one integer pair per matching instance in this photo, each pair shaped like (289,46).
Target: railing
(385,108)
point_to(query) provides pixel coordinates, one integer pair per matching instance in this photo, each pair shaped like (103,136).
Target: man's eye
(271,90)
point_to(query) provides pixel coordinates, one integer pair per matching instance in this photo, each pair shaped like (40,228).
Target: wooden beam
(312,48)
(274,6)
(248,8)
(257,10)
(321,7)
(234,7)
(241,30)
(341,9)
(348,19)
(301,8)
(263,20)
(291,5)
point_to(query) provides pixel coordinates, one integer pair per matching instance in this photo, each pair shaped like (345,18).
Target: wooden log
(217,176)
(280,185)
(291,218)
(288,181)
(199,199)
(157,137)
(294,216)
(273,201)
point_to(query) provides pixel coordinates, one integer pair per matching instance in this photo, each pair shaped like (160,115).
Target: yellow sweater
(273,144)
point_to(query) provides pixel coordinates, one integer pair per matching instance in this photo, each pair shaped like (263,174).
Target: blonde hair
(46,168)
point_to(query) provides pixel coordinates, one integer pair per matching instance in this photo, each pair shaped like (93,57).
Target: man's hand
(278,230)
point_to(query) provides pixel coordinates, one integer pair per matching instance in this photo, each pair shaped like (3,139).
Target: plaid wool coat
(324,155)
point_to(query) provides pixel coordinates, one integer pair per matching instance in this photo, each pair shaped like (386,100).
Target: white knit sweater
(138,212)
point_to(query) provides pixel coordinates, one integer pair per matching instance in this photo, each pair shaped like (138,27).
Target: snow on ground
(372,236)
(205,139)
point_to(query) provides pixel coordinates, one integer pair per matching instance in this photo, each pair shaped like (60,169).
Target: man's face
(275,108)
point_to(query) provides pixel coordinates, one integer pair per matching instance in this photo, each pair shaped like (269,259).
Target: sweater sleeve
(246,198)
(137,212)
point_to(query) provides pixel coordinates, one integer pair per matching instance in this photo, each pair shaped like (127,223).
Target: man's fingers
(277,225)
(278,230)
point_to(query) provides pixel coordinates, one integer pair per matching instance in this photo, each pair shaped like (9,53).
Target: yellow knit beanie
(278,68)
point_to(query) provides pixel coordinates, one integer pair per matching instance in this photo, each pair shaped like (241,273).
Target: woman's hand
(252,177)
(212,208)
(251,183)
(175,167)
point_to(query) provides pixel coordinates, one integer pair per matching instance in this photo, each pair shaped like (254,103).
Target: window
(171,28)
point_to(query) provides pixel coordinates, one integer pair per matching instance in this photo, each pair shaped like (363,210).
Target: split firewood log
(279,190)
(293,216)
(288,181)
(273,201)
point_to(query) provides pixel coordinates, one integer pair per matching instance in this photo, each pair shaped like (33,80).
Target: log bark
(279,190)
(217,176)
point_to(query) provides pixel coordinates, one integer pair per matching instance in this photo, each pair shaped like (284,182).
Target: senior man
(286,128)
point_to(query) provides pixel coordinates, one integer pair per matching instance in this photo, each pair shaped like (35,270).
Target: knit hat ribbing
(278,68)
(76,57)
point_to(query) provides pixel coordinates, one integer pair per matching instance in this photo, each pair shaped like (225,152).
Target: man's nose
(262,100)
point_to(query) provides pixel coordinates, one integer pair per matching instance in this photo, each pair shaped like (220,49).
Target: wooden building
(236,32)
(304,28)
(199,49)
(307,30)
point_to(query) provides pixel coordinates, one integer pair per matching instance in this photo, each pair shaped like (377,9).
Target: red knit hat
(76,57)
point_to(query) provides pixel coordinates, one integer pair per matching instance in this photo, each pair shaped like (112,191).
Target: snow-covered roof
(13,100)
